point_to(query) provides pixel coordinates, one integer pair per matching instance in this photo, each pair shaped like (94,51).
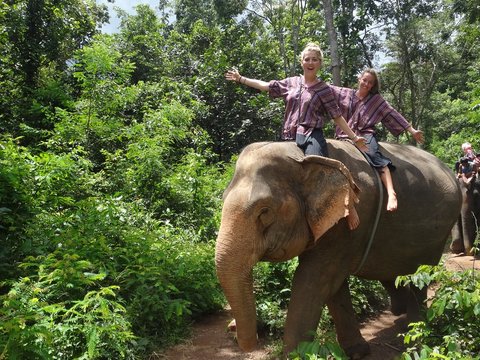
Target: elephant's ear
(329,191)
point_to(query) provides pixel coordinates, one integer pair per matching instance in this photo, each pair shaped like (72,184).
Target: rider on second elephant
(466,229)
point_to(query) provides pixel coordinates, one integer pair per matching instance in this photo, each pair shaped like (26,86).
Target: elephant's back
(418,167)
(429,202)
(416,170)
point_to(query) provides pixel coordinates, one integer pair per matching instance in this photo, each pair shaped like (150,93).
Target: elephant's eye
(266,216)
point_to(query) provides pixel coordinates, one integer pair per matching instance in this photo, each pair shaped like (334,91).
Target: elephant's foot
(398,307)
(470,251)
(398,302)
(357,351)
(457,247)
(232,326)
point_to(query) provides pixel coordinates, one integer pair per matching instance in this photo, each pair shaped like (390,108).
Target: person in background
(364,108)
(307,101)
(466,170)
(468,153)
(476,163)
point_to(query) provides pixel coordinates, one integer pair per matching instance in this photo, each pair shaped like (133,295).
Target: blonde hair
(466,145)
(312,47)
(376,86)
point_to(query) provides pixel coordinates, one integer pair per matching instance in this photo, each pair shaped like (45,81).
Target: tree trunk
(332,37)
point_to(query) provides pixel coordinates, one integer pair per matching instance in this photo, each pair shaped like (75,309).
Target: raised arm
(417,134)
(396,122)
(234,75)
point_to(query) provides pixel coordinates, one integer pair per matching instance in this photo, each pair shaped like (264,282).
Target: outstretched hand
(232,75)
(361,143)
(418,136)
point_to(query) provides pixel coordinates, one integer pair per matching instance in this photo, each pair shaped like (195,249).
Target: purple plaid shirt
(363,115)
(306,108)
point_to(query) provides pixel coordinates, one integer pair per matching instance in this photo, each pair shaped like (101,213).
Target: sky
(128,6)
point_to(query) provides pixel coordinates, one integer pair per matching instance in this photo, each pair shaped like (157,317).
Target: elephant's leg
(398,297)
(304,309)
(318,279)
(416,304)
(457,237)
(468,229)
(406,299)
(346,325)
(315,278)
(467,218)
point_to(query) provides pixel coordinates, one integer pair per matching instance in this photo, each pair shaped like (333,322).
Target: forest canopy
(115,148)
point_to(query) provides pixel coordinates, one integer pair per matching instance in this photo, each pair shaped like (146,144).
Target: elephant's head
(278,203)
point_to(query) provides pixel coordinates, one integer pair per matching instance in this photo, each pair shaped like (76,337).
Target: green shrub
(368,296)
(326,349)
(272,286)
(165,276)
(272,290)
(167,283)
(16,203)
(450,329)
(41,321)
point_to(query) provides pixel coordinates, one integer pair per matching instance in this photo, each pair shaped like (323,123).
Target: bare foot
(392,202)
(352,219)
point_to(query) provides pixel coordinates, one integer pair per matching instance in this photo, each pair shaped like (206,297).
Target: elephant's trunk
(234,265)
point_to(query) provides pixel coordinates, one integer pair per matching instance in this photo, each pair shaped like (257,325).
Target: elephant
(281,204)
(465,230)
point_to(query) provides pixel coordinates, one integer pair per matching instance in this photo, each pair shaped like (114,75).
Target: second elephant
(465,230)
(281,204)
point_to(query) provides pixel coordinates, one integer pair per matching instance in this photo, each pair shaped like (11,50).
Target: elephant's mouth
(275,256)
(286,243)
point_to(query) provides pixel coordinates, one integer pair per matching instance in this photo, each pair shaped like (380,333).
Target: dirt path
(211,341)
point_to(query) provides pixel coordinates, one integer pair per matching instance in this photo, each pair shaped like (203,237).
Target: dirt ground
(212,341)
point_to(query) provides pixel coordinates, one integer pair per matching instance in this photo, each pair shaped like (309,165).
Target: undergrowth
(449,331)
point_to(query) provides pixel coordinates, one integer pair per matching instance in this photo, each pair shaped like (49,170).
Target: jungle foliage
(449,330)
(115,150)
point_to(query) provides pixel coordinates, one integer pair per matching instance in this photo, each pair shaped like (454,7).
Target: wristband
(355,138)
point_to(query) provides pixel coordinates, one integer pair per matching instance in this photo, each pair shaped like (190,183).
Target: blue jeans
(314,144)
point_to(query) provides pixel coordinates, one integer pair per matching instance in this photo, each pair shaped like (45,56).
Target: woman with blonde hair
(307,101)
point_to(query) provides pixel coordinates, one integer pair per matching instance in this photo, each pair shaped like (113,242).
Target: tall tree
(43,34)
(412,74)
(332,37)
(354,21)
(211,12)
(43,31)
(143,40)
(286,19)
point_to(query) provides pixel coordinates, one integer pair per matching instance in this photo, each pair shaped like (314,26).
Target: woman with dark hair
(363,108)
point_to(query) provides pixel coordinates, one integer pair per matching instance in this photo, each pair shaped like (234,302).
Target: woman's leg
(386,177)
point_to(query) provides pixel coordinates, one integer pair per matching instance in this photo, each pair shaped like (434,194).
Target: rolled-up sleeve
(278,88)
(393,120)
(330,102)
